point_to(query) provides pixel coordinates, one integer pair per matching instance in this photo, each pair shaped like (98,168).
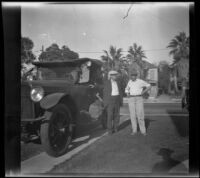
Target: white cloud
(84,33)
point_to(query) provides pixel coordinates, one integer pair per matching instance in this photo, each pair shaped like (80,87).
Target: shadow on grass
(87,128)
(181,123)
(168,163)
(124,124)
(147,122)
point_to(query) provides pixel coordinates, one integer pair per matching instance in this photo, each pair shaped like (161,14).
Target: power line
(121,51)
(164,49)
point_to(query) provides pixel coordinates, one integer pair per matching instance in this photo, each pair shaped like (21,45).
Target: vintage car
(51,103)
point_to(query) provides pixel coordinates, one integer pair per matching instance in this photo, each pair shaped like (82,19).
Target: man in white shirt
(112,99)
(135,90)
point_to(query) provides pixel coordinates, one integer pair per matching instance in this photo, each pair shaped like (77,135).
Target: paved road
(168,130)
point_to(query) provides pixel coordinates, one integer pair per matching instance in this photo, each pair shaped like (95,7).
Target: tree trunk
(175,84)
(169,88)
(183,68)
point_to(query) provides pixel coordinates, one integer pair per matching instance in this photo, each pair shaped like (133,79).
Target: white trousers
(136,108)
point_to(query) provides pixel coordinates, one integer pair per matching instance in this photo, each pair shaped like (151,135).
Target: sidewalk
(159,99)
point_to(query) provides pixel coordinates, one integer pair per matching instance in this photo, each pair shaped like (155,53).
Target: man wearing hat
(112,99)
(135,90)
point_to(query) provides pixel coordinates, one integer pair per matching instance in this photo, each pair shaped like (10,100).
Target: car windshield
(70,74)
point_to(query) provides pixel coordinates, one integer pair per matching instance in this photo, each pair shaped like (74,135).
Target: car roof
(61,63)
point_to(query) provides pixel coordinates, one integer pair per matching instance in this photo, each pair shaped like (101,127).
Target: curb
(125,100)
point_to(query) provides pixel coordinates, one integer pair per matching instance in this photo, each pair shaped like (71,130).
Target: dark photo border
(11,35)
(11,21)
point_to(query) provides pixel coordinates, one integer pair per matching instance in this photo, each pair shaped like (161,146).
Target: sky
(91,28)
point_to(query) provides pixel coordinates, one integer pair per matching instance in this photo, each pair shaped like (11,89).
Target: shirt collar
(134,80)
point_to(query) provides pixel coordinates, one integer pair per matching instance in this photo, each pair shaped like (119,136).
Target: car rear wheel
(56,132)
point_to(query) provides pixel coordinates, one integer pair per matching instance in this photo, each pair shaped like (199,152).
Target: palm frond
(139,48)
(131,51)
(134,46)
(118,54)
(106,52)
(129,56)
(173,52)
(112,51)
(143,56)
(173,44)
(104,58)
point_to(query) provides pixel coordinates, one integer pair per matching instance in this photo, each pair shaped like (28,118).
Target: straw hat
(113,72)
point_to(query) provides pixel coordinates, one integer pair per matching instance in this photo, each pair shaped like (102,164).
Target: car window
(70,74)
(75,74)
(85,74)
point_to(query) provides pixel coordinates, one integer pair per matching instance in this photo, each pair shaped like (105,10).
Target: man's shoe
(115,130)
(144,134)
(133,133)
(109,132)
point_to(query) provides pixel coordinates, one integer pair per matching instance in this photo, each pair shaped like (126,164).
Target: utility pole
(42,50)
(27,56)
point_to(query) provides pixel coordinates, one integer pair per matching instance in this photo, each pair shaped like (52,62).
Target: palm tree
(136,53)
(179,46)
(112,57)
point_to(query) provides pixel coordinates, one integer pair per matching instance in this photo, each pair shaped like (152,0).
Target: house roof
(148,65)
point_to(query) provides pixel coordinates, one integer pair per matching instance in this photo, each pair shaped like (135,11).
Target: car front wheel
(56,132)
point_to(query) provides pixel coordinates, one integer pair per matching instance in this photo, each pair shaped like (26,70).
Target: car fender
(51,100)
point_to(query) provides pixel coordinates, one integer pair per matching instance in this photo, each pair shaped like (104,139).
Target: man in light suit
(135,91)
(112,99)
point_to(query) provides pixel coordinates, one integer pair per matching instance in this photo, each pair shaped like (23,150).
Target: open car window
(85,74)
(59,73)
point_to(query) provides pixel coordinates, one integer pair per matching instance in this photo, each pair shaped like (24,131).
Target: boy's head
(133,75)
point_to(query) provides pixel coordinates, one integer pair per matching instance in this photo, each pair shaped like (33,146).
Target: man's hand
(98,96)
(145,90)
(92,85)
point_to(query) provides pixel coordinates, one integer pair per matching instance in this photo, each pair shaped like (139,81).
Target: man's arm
(148,87)
(127,89)
(106,92)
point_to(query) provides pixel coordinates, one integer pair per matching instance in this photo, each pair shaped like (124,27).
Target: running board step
(33,120)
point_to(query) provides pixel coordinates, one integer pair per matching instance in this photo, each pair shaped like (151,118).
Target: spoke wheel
(56,134)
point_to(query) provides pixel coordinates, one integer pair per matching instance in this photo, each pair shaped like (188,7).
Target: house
(151,77)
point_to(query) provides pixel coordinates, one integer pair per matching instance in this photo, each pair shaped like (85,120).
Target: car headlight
(37,94)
